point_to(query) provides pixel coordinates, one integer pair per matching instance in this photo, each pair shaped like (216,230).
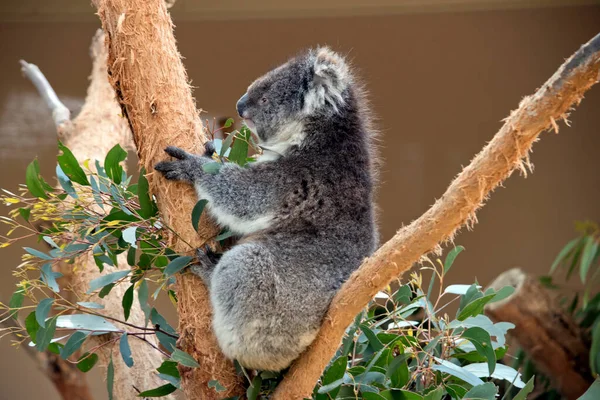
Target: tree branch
(60,112)
(152,88)
(508,150)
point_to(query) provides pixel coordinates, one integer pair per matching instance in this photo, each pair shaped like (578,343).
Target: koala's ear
(330,80)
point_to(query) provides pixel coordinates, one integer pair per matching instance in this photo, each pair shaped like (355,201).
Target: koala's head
(311,84)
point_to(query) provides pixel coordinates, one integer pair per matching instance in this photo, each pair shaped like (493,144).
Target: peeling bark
(555,343)
(152,88)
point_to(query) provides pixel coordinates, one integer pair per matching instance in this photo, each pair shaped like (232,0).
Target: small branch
(508,150)
(60,113)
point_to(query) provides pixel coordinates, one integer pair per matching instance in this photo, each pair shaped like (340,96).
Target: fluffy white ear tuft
(331,78)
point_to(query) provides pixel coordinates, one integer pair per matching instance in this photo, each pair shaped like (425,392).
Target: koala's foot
(207,260)
(185,168)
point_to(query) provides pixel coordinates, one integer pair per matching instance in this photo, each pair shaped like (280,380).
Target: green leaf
(223,236)
(563,254)
(253,391)
(374,341)
(70,166)
(159,391)
(239,150)
(522,395)
(398,371)
(483,343)
(87,361)
(487,391)
(65,182)
(226,144)
(503,293)
(147,207)
(104,280)
(33,180)
(125,350)
(106,290)
(184,358)
(37,253)
(475,307)
(49,277)
(216,385)
(595,349)
(228,123)
(171,379)
(86,322)
(112,163)
(177,265)
(127,302)
(456,391)
(31,326)
(73,344)
(143,300)
(587,256)
(96,193)
(197,212)
(110,378)
(451,257)
(372,396)
(16,301)
(45,335)
(169,368)
(42,310)
(129,236)
(334,373)
(90,304)
(457,371)
(212,167)
(435,394)
(25,213)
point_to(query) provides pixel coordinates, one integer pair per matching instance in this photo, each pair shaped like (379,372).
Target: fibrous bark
(152,87)
(98,127)
(505,153)
(549,336)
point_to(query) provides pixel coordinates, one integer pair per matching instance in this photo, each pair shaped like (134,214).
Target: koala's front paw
(183,169)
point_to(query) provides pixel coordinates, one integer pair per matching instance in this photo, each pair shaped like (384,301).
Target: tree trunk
(507,151)
(97,128)
(555,343)
(152,87)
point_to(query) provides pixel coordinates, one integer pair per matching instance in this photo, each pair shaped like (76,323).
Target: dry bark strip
(152,87)
(555,343)
(508,151)
(96,129)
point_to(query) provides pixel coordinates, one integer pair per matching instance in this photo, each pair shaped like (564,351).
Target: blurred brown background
(441,74)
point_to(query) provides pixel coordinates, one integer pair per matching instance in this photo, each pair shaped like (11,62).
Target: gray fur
(304,209)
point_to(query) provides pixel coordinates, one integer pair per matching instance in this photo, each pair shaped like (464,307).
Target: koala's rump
(268,304)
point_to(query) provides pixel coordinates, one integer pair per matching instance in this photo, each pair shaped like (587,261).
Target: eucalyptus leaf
(487,391)
(184,358)
(501,372)
(197,212)
(456,371)
(107,280)
(125,350)
(88,322)
(70,166)
(73,343)
(451,257)
(112,163)
(42,310)
(110,378)
(127,302)
(177,265)
(65,182)
(159,391)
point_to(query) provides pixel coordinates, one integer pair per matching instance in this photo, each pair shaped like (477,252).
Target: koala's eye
(264,100)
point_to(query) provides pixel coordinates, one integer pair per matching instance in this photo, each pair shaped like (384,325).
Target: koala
(303,210)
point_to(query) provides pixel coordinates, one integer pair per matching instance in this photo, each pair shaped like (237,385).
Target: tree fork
(506,152)
(152,88)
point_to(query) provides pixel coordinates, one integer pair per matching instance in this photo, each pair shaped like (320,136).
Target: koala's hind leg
(207,260)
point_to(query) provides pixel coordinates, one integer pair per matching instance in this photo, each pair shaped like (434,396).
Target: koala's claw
(172,170)
(177,153)
(209,148)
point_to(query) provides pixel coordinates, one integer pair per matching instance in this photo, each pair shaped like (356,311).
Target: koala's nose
(241,105)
